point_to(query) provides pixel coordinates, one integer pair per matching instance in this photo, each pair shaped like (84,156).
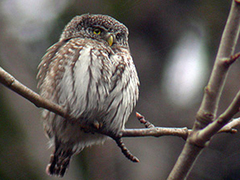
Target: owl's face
(102,28)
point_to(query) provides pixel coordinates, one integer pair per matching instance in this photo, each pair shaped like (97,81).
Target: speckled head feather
(78,25)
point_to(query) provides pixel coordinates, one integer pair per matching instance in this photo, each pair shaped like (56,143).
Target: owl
(90,73)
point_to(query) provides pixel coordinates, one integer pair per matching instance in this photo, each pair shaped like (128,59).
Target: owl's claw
(96,124)
(92,126)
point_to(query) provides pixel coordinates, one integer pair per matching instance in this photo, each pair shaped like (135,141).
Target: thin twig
(142,120)
(222,120)
(230,126)
(125,150)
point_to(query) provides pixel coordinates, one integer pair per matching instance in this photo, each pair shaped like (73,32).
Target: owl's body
(92,75)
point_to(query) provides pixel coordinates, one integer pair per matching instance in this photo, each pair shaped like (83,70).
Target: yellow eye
(97,31)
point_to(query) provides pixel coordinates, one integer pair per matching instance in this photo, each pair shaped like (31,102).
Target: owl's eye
(97,31)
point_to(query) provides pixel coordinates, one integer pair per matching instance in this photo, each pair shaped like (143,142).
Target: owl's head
(102,28)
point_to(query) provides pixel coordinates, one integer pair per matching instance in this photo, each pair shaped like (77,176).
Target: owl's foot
(97,125)
(92,127)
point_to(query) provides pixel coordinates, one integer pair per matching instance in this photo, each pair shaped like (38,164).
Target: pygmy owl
(89,72)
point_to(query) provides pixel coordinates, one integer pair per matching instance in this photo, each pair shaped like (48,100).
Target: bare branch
(206,133)
(209,106)
(150,130)
(208,109)
(230,126)
(156,132)
(142,120)
(125,151)
(171,131)
(10,82)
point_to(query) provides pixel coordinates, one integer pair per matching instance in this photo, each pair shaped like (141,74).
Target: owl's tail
(59,161)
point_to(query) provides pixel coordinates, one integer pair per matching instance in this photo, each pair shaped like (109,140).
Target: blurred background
(173,44)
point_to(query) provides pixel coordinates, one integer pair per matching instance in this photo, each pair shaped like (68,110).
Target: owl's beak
(110,39)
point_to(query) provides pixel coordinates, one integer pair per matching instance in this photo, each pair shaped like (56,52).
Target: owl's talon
(125,150)
(96,124)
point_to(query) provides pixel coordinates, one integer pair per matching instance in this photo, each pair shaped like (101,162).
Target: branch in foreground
(150,130)
(179,132)
(10,82)
(156,132)
(184,132)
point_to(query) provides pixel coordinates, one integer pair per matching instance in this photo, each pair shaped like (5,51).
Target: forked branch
(206,124)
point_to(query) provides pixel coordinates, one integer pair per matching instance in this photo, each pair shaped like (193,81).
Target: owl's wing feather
(123,91)
(43,67)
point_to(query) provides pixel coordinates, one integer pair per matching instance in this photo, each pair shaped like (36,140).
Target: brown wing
(46,61)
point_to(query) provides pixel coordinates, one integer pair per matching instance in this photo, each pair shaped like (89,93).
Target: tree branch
(157,132)
(10,82)
(208,109)
(205,134)
(179,132)
(209,106)
(150,130)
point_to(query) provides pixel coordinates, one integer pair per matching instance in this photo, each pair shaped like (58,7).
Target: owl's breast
(86,82)
(93,82)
